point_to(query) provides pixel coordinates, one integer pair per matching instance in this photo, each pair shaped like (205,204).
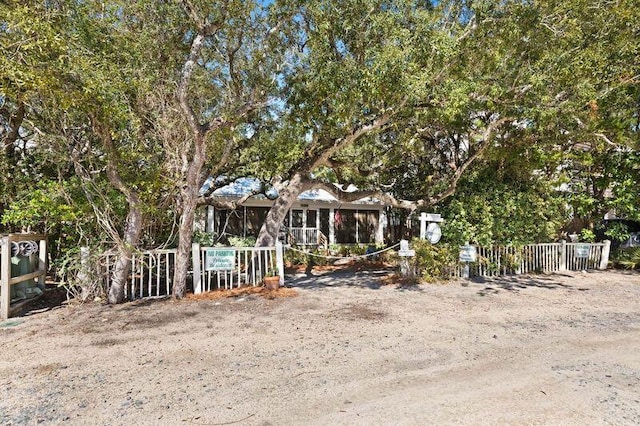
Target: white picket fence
(532,258)
(229,267)
(152,270)
(151,273)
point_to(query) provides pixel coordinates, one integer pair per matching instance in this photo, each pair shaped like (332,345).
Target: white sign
(582,251)
(220,259)
(434,233)
(404,249)
(468,253)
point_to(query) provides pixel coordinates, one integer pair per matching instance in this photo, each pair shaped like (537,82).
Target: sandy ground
(555,349)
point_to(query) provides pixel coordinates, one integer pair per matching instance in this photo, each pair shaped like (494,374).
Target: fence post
(42,263)
(604,257)
(280,261)
(5,277)
(84,275)
(563,256)
(195,261)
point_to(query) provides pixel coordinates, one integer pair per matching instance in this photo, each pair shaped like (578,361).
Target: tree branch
(322,157)
(453,185)
(212,200)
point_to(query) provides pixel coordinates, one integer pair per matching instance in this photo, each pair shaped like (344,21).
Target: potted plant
(271,280)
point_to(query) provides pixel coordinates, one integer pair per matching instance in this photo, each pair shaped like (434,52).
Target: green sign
(220,260)
(582,251)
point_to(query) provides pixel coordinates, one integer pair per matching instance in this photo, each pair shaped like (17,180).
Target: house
(316,218)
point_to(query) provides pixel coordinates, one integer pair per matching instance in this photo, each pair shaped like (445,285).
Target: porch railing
(308,237)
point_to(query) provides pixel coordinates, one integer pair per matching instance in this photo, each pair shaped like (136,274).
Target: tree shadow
(515,283)
(370,279)
(53,297)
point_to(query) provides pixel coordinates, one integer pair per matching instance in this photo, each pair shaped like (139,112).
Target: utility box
(23,265)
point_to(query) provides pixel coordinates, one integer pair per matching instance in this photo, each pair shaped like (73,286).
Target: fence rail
(152,270)
(549,257)
(229,267)
(151,273)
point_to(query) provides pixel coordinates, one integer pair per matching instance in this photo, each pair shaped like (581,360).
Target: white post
(382,223)
(405,252)
(423,226)
(197,276)
(563,255)
(42,264)
(304,226)
(244,222)
(210,219)
(280,261)
(5,277)
(83,274)
(318,227)
(356,216)
(332,226)
(604,257)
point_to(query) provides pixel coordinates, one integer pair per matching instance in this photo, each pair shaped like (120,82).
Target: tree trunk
(122,268)
(271,226)
(185,236)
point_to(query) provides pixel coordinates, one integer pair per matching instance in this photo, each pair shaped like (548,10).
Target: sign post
(429,228)
(468,254)
(404,253)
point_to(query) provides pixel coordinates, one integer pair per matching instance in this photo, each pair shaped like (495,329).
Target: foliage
(502,201)
(434,262)
(617,231)
(587,235)
(315,256)
(242,241)
(628,258)
(295,257)
(205,239)
(79,277)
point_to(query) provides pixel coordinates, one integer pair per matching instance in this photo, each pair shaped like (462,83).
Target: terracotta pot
(272,283)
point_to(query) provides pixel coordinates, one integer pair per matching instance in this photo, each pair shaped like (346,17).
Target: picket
(248,267)
(534,258)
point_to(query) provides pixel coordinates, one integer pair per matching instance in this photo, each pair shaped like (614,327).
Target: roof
(243,186)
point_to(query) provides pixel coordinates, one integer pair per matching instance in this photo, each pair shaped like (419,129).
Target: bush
(242,241)
(294,257)
(434,262)
(627,258)
(82,281)
(205,239)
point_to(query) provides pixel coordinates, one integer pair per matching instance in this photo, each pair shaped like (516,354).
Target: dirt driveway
(555,349)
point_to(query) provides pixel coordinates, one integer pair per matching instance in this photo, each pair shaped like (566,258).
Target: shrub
(434,262)
(294,257)
(628,258)
(205,239)
(81,280)
(242,241)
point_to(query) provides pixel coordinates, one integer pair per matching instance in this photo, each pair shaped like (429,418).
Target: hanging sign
(220,260)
